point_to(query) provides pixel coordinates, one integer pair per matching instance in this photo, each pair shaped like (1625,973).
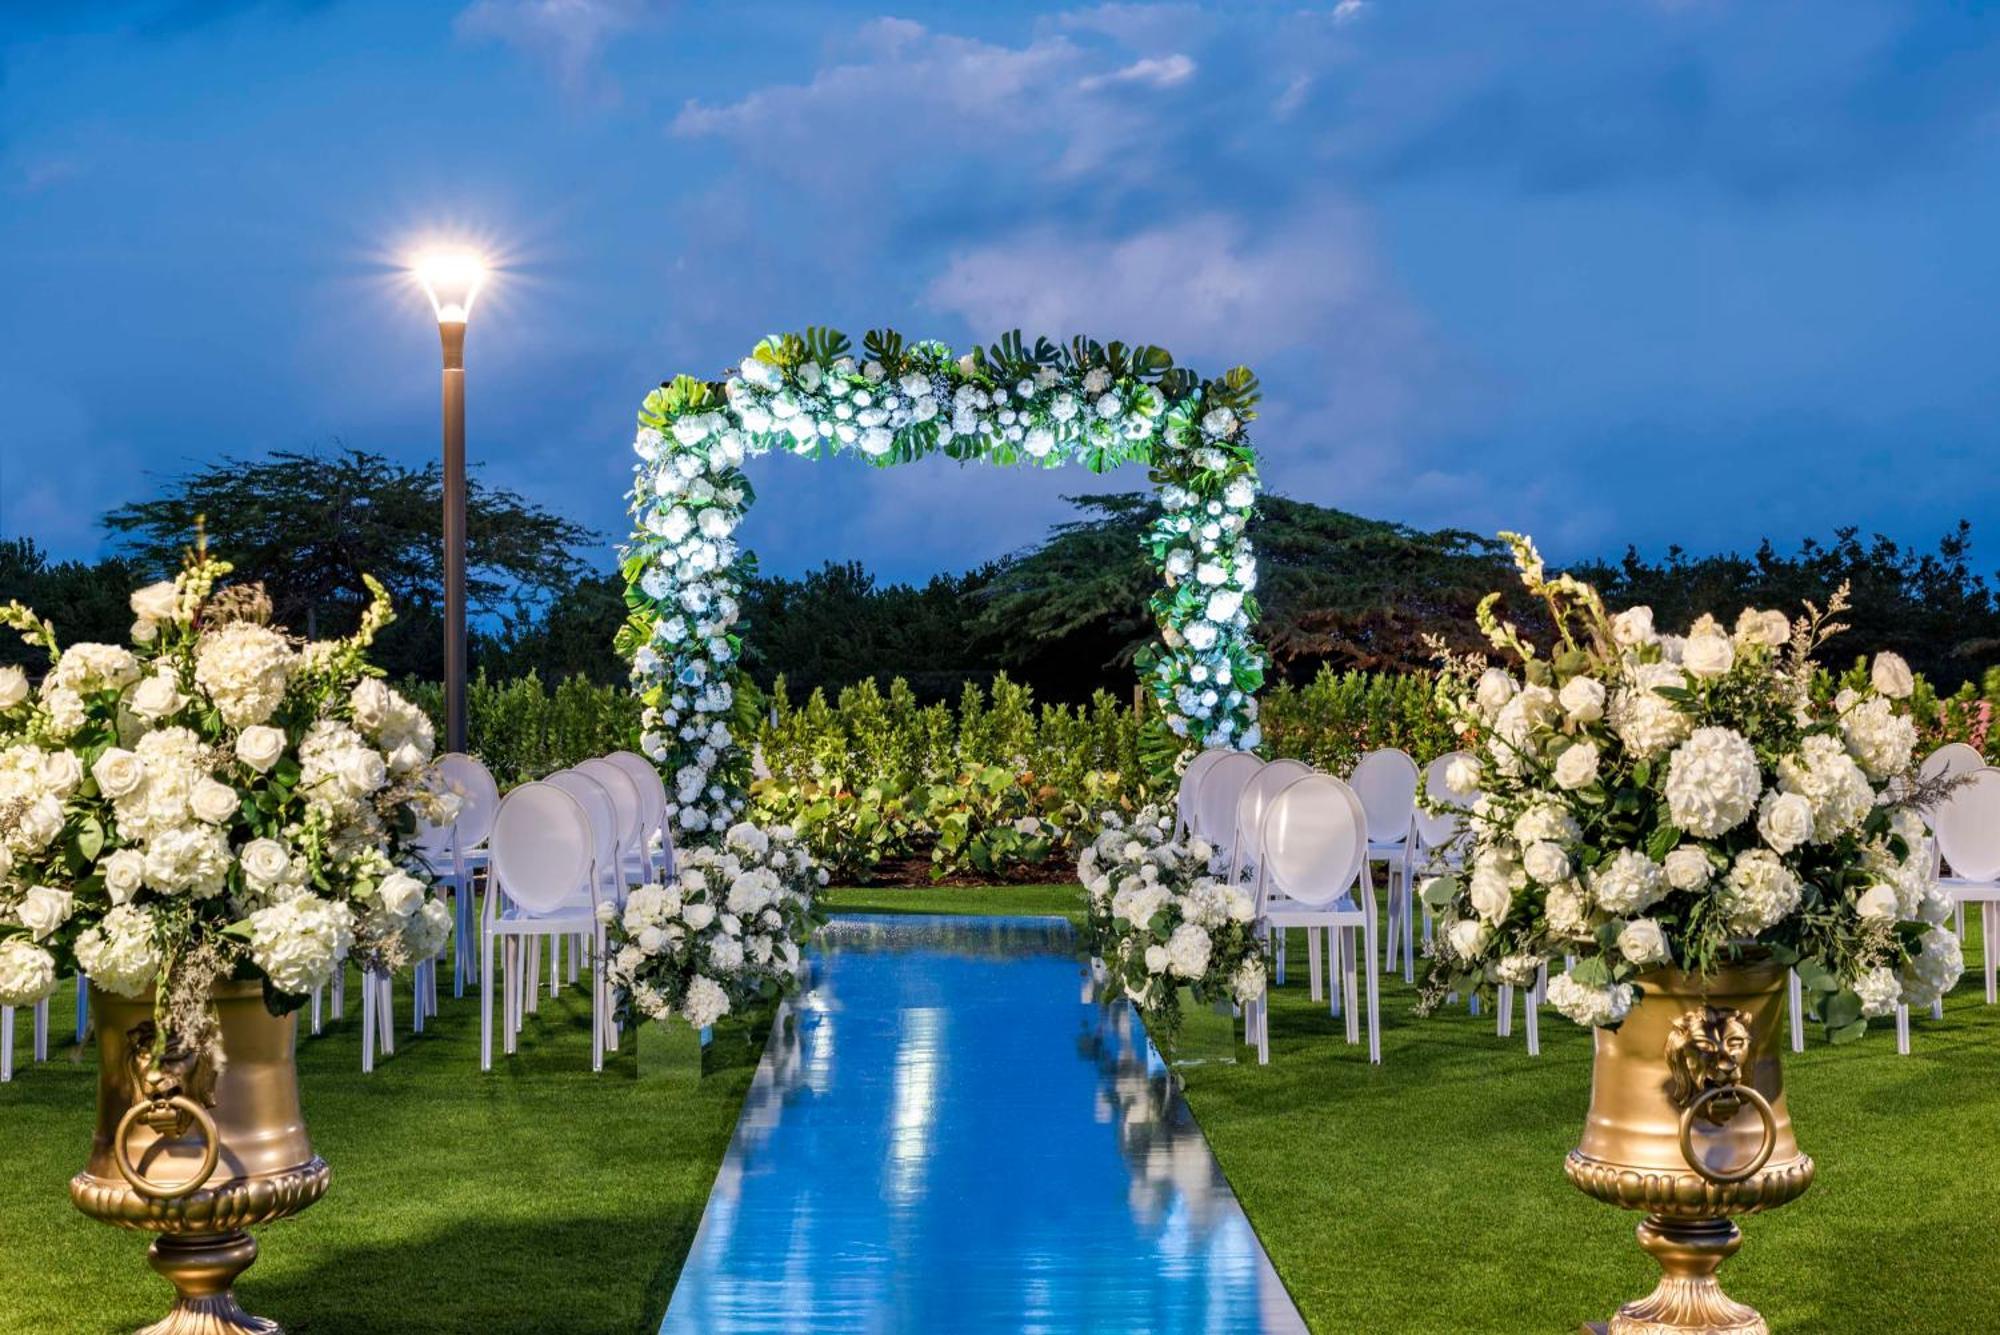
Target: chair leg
(511,988)
(530,1001)
(600,1016)
(1264,1028)
(417,1001)
(367,1025)
(1503,1025)
(340,992)
(1532,1015)
(319,995)
(1374,1006)
(1278,957)
(486,1002)
(1796,1000)
(42,1030)
(1349,970)
(1902,1030)
(385,1012)
(1409,898)
(1312,963)
(6,1044)
(1336,965)
(1989,928)
(82,1009)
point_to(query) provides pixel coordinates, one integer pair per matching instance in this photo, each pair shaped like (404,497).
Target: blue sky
(1651,271)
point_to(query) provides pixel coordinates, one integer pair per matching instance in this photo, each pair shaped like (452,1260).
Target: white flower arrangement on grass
(726,931)
(1160,919)
(1098,405)
(217,800)
(1649,801)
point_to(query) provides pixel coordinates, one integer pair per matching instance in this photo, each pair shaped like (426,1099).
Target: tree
(838,626)
(310,525)
(86,602)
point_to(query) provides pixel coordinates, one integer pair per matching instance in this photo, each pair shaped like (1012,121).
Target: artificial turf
(1424,1195)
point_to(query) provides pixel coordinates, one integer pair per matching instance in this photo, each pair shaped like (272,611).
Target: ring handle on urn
(1764,1150)
(211,1148)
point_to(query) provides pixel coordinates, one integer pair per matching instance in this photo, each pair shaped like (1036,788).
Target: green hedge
(1000,785)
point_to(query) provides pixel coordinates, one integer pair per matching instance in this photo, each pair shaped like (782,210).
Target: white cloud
(566,35)
(1152,71)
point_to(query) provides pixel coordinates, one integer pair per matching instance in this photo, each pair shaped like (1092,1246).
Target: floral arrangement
(1649,800)
(1160,919)
(727,930)
(218,800)
(1044,405)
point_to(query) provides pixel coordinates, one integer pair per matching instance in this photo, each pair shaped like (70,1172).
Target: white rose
(124,872)
(13,687)
(118,772)
(401,893)
(213,802)
(1708,654)
(370,702)
(1490,896)
(156,602)
(265,861)
(1688,868)
(407,759)
(1633,627)
(1785,820)
(1156,959)
(1583,699)
(1495,689)
(360,770)
(43,909)
(39,824)
(1877,904)
(1643,942)
(260,747)
(1576,767)
(61,772)
(1546,862)
(156,697)
(1769,629)
(1461,776)
(1891,676)
(1467,938)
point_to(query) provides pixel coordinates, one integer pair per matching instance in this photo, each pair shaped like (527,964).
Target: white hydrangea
(1188,951)
(244,668)
(1712,781)
(1934,970)
(118,953)
(1879,989)
(1826,776)
(1648,723)
(1757,892)
(1592,1007)
(1877,736)
(706,1002)
(299,942)
(1628,882)
(27,972)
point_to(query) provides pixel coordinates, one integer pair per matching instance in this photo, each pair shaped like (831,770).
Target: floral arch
(1099,405)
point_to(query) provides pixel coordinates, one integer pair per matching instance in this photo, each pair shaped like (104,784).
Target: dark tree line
(1064,616)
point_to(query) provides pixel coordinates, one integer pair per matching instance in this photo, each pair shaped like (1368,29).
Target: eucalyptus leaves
(1099,405)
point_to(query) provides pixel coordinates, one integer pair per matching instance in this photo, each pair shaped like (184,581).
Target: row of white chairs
(560,848)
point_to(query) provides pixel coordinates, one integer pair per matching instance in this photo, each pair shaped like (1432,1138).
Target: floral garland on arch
(1649,800)
(1099,405)
(1160,919)
(217,800)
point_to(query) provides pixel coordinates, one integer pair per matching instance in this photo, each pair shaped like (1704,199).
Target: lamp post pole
(452,335)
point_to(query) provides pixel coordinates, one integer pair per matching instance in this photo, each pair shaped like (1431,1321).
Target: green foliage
(1331,721)
(524,731)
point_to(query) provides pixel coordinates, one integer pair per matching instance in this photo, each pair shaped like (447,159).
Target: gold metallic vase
(196,1155)
(1688,1123)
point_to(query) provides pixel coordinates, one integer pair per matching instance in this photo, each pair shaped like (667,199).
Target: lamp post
(452,281)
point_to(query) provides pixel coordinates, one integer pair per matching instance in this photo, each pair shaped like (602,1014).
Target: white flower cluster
(1161,919)
(1652,800)
(235,780)
(728,927)
(812,397)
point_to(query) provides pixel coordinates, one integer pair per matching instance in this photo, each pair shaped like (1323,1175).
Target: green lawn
(1425,1195)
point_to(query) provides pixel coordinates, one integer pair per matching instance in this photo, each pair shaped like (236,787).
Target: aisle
(953,1136)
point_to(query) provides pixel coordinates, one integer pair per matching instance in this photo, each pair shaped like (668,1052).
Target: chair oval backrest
(1264,785)
(1190,789)
(473,782)
(597,808)
(1221,787)
(1386,783)
(646,778)
(1949,761)
(1967,827)
(624,799)
(541,844)
(1314,840)
(1436,828)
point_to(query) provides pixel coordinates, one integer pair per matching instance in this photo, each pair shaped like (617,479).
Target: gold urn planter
(198,1156)
(1688,1124)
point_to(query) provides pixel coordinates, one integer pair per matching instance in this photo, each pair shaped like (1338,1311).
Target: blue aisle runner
(953,1136)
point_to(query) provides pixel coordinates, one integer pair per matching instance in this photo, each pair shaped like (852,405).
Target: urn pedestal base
(1689,1298)
(203,1269)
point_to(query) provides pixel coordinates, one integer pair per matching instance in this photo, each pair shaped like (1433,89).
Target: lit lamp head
(451,280)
